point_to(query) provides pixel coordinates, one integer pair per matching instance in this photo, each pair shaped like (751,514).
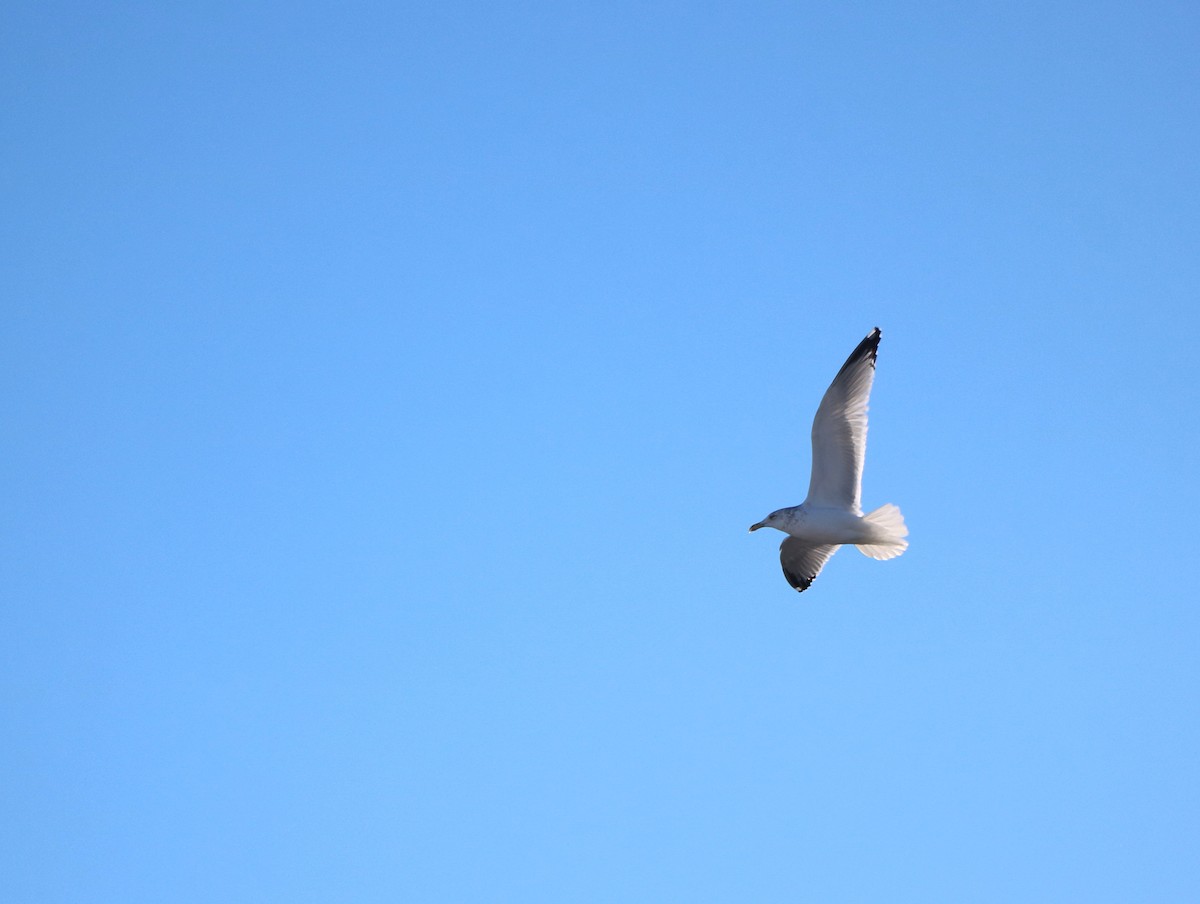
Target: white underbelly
(830,526)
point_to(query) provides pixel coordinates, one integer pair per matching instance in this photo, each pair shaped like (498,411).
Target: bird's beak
(754,527)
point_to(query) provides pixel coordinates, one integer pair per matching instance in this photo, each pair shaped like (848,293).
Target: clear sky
(388,389)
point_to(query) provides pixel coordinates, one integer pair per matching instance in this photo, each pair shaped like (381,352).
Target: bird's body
(821,525)
(832,516)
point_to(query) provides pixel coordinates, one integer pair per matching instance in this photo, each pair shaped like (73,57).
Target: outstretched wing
(839,431)
(802,562)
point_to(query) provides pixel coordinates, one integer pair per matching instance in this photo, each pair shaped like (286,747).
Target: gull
(831,516)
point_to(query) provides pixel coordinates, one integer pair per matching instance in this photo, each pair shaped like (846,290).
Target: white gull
(831,516)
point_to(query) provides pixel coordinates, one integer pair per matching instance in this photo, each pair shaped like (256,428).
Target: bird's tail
(889,531)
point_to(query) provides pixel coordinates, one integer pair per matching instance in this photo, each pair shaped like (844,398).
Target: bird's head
(772,520)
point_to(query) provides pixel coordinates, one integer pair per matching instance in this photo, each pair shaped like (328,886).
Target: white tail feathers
(888,531)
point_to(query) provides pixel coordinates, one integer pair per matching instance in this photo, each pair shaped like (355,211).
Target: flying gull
(831,516)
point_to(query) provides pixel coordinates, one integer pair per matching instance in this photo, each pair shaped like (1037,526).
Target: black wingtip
(800,583)
(868,349)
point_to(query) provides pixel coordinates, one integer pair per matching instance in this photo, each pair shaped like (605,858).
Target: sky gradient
(388,388)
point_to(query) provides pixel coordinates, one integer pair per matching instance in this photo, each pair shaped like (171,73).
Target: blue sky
(387,390)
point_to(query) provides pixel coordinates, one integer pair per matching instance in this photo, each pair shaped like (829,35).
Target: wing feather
(839,431)
(802,562)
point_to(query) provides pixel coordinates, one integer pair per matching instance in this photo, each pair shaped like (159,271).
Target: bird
(831,515)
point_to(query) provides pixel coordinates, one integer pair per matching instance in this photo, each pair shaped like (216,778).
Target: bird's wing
(839,431)
(802,562)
